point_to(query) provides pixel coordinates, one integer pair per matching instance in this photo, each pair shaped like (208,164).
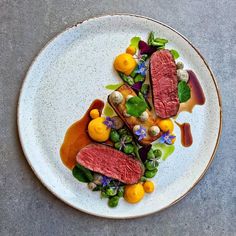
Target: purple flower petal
(141,133)
(161,140)
(166,138)
(109,122)
(145,48)
(138,132)
(106,180)
(137,86)
(168,141)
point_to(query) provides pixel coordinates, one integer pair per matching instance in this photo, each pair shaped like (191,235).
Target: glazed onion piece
(117,122)
(144,116)
(182,75)
(117,97)
(180,65)
(154,130)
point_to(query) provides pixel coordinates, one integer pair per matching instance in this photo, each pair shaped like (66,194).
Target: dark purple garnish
(145,48)
(143,151)
(137,86)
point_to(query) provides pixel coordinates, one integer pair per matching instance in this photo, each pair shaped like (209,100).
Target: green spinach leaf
(82,174)
(184,92)
(135,106)
(145,100)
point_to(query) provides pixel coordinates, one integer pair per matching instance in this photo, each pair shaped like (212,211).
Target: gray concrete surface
(26,207)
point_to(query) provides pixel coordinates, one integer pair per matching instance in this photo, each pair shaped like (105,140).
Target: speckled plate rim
(219,101)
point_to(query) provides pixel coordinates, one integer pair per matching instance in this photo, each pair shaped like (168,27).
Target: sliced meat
(110,162)
(164,82)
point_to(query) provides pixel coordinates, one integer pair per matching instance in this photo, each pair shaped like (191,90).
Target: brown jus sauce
(186,135)
(197,95)
(197,98)
(77,137)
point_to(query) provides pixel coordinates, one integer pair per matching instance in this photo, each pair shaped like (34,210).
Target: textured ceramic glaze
(73,70)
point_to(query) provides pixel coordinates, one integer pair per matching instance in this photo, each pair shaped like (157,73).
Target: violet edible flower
(141,69)
(105,180)
(109,122)
(166,138)
(141,133)
(145,48)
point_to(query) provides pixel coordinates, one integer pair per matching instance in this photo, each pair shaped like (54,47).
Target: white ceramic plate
(69,73)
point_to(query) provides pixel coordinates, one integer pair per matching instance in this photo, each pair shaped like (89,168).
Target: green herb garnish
(82,174)
(151,38)
(113,86)
(134,42)
(183,91)
(145,100)
(139,78)
(174,53)
(135,106)
(126,78)
(145,89)
(157,42)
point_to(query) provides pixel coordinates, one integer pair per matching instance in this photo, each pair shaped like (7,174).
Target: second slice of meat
(164,82)
(110,162)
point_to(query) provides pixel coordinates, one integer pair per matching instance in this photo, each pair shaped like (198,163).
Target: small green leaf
(145,89)
(161,41)
(139,78)
(108,110)
(145,100)
(184,92)
(82,174)
(134,41)
(151,38)
(174,53)
(113,86)
(157,42)
(135,106)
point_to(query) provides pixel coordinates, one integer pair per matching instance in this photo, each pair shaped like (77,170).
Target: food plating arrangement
(117,146)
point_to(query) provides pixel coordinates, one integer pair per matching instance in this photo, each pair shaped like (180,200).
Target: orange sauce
(197,95)
(77,137)
(186,135)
